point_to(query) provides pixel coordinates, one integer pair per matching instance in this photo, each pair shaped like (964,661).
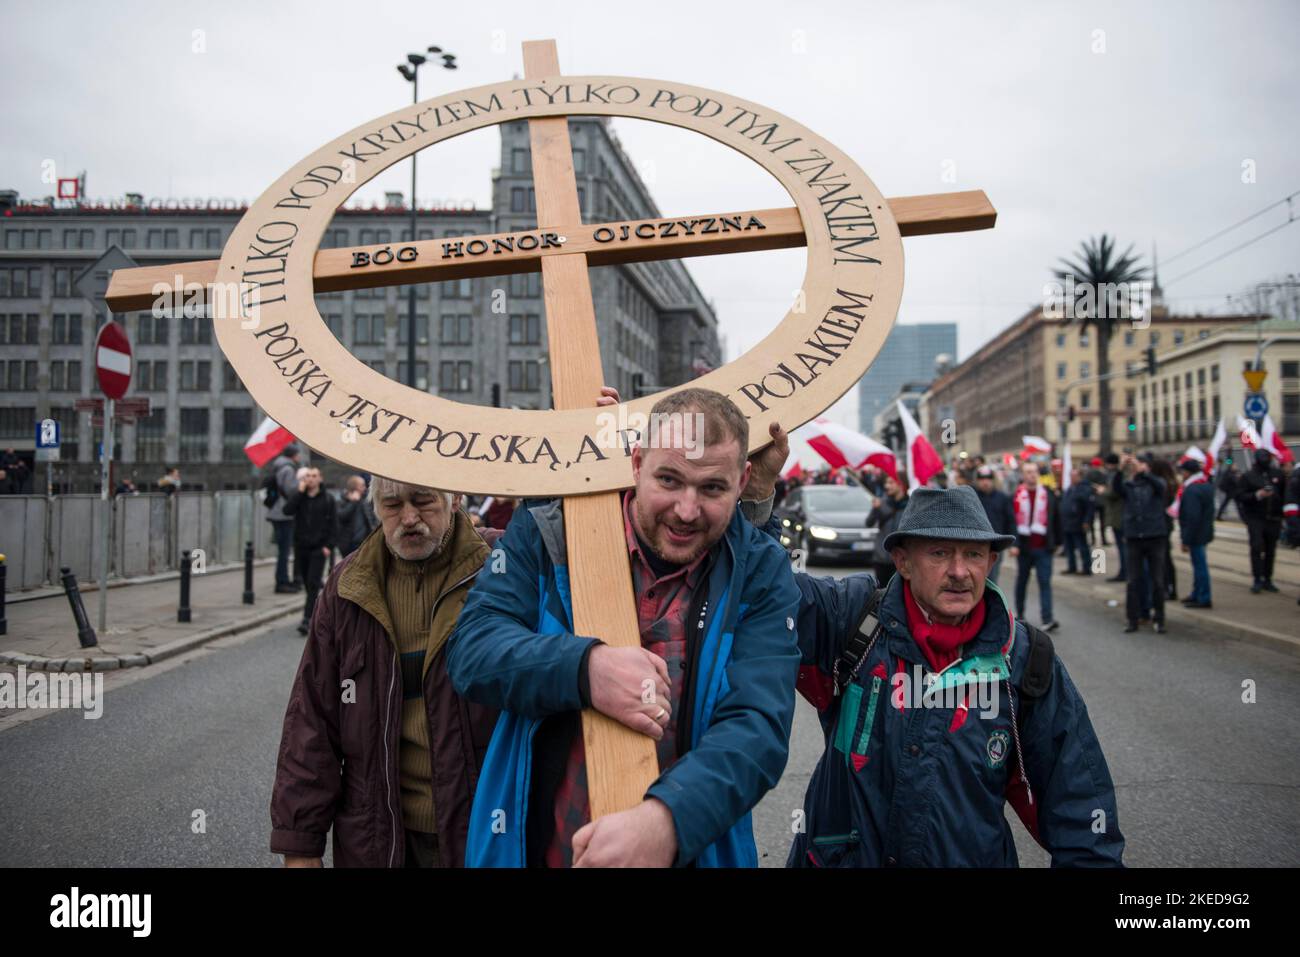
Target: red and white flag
(794,471)
(923,462)
(840,446)
(1272,440)
(1035,445)
(267,442)
(1216,443)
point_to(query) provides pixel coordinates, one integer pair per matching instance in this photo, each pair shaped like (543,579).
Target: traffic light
(1132,423)
(1151,360)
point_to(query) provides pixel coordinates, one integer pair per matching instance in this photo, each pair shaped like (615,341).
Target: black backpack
(271,488)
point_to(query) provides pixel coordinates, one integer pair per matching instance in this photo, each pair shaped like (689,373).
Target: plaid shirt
(662,605)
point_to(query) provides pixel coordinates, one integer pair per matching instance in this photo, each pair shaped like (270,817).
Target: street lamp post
(410,70)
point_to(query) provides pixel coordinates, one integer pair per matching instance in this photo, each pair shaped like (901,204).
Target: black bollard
(4,574)
(85,634)
(248,573)
(183,612)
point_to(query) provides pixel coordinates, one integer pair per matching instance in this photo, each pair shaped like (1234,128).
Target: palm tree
(1097,273)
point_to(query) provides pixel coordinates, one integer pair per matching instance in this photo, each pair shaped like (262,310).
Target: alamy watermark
(41,689)
(1126,301)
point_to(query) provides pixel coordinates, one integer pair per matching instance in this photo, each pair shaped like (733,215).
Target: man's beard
(655,528)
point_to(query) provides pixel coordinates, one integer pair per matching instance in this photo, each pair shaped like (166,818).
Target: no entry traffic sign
(113,360)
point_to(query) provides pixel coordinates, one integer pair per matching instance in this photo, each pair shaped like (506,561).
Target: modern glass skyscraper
(907,356)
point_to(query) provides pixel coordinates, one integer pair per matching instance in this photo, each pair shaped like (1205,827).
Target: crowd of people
(1145,505)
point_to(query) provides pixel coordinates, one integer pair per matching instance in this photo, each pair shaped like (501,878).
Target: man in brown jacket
(376,744)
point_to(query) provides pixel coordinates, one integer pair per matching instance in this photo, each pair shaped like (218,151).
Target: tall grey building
(907,356)
(655,326)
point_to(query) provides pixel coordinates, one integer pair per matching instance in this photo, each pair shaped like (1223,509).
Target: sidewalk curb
(91,586)
(139,660)
(1175,612)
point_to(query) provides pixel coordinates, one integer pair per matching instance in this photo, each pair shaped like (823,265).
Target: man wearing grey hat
(938,706)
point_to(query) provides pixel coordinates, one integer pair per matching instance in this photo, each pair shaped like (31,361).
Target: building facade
(1200,382)
(479,341)
(908,355)
(1025,380)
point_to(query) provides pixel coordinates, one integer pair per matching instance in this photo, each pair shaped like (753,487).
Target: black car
(827,521)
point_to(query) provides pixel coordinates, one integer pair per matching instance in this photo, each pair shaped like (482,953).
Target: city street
(1202,778)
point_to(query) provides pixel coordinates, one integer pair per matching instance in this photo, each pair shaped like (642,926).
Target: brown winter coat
(337,765)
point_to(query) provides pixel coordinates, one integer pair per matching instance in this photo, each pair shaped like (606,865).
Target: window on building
(1178,337)
(519,161)
(525,375)
(194,434)
(1130,398)
(196,376)
(1085,399)
(1085,370)
(421,330)
(454,376)
(580,161)
(1187,380)
(236,427)
(454,330)
(1085,430)
(230,381)
(368,329)
(1155,338)
(1060,336)
(151,437)
(1200,376)
(1214,372)
(525,329)
(379,366)
(1060,370)
(1290,369)
(1083,340)
(457,289)
(421,374)
(1128,338)
(17,423)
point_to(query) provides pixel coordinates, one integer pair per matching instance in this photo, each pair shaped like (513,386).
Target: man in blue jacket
(939,707)
(716,601)
(1196,508)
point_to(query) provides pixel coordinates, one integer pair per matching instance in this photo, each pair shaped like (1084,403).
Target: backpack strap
(1037,678)
(858,646)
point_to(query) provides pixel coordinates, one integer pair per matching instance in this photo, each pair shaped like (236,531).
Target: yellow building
(1025,379)
(1200,382)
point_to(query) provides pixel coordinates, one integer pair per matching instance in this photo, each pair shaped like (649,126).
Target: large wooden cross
(621,764)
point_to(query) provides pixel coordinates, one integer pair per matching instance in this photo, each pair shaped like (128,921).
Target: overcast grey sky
(1076,118)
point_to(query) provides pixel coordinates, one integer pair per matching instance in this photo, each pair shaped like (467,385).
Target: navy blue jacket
(1144,504)
(997,506)
(924,787)
(1196,511)
(514,649)
(1078,505)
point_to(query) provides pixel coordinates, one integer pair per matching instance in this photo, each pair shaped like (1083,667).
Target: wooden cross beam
(604,244)
(621,764)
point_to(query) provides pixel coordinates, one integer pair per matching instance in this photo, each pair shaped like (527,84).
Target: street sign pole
(106,512)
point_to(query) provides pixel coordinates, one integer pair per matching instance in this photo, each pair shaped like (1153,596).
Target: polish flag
(1272,440)
(1216,443)
(923,462)
(794,471)
(841,446)
(267,442)
(1035,445)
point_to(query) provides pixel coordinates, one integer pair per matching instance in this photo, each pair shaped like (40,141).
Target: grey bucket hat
(954,513)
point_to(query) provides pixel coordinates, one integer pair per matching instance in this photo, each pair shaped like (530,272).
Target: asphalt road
(1203,778)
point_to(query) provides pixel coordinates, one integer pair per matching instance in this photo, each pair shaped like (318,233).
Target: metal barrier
(39,536)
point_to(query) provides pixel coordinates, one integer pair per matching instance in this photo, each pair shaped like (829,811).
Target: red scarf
(1172,510)
(939,642)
